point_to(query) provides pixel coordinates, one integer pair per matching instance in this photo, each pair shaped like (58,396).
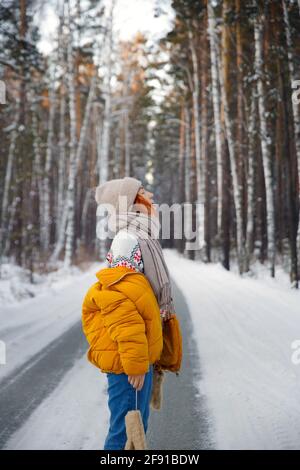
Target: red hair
(140,199)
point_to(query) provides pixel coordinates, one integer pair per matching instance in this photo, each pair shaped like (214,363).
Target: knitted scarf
(146,228)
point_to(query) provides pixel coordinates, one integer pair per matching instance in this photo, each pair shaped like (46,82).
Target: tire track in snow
(183,421)
(24,389)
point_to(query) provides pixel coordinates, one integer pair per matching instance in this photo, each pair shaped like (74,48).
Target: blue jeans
(121,399)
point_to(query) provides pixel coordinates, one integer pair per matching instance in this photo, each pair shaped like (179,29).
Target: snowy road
(26,388)
(238,387)
(244,329)
(58,400)
(183,422)
(48,391)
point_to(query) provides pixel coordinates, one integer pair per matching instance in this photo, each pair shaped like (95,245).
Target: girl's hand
(137,381)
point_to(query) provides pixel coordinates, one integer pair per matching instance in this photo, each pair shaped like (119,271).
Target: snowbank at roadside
(16,284)
(27,326)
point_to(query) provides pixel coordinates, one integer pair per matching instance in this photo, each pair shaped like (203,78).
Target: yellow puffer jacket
(121,321)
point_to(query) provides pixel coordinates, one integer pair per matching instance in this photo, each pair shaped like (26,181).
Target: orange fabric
(171,355)
(121,321)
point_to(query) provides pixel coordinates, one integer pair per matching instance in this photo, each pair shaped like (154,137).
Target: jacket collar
(108,276)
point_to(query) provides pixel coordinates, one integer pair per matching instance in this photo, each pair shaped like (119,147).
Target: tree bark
(212,33)
(199,160)
(265,141)
(295,106)
(225,92)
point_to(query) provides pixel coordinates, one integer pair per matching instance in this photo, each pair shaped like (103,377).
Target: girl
(123,313)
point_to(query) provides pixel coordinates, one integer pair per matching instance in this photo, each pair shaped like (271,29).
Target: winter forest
(209,114)
(199,100)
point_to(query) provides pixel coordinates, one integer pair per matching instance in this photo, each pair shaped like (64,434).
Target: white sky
(131,16)
(138,15)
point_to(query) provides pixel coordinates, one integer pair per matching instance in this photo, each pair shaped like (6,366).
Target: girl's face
(149,197)
(146,194)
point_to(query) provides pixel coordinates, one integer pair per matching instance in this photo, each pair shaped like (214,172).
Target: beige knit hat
(110,191)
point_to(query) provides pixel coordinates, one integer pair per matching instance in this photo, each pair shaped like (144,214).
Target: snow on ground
(244,329)
(28,326)
(73,417)
(15,284)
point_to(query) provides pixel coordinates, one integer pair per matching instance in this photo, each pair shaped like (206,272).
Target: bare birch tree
(265,139)
(212,33)
(106,124)
(225,93)
(199,159)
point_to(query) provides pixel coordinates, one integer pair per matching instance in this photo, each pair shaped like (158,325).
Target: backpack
(171,356)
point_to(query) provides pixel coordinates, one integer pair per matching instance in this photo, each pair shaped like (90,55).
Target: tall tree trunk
(76,71)
(21,190)
(291,193)
(199,160)
(295,106)
(250,181)
(74,168)
(212,33)
(87,237)
(47,183)
(226,206)
(187,182)
(61,160)
(127,142)
(73,144)
(192,228)
(62,132)
(279,175)
(265,141)
(8,174)
(241,157)
(37,164)
(204,138)
(106,125)
(181,172)
(290,190)
(225,92)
